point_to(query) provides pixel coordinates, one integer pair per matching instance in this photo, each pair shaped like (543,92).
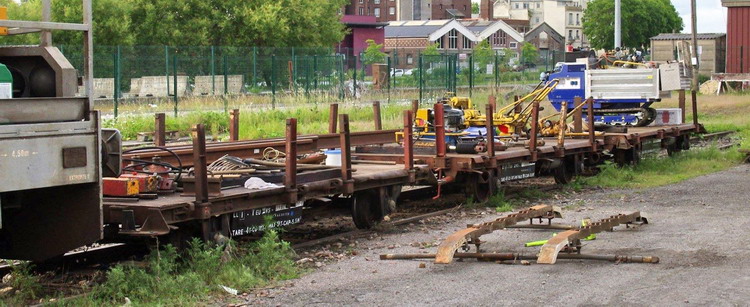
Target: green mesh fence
(124,73)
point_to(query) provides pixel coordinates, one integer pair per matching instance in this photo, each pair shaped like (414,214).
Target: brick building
(395,10)
(405,40)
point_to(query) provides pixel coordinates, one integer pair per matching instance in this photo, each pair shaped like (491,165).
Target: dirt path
(699,229)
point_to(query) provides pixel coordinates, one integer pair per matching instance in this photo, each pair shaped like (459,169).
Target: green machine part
(6,83)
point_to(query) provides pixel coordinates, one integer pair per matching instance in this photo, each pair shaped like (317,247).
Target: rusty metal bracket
(153,225)
(572,238)
(471,235)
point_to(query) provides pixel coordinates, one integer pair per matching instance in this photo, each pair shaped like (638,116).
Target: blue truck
(622,96)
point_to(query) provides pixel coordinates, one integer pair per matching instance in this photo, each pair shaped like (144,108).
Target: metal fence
(166,72)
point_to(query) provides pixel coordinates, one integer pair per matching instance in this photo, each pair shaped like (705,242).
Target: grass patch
(168,277)
(658,172)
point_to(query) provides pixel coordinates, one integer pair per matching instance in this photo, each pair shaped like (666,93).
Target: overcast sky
(712,17)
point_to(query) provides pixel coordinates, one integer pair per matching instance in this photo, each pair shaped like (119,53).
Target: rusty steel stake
(290,172)
(234,125)
(578,115)
(346,154)
(534,126)
(199,164)
(439,130)
(376,115)
(333,114)
(159,130)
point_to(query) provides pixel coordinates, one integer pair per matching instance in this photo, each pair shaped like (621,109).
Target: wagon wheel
(480,187)
(566,171)
(366,209)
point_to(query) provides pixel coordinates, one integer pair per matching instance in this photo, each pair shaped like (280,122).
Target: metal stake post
(290,171)
(376,115)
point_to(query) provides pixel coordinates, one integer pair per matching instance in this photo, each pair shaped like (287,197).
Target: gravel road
(699,229)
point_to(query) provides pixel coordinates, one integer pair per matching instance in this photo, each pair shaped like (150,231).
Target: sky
(712,17)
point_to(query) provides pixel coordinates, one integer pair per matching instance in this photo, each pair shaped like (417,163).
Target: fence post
(420,78)
(255,66)
(294,72)
(226,76)
(213,72)
(116,70)
(166,67)
(315,70)
(290,167)
(471,75)
(390,76)
(174,82)
(273,81)
(497,73)
(354,89)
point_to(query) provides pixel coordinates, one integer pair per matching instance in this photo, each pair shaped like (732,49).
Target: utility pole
(618,24)
(696,57)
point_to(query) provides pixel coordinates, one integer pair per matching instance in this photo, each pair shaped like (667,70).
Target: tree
(482,54)
(474,8)
(641,20)
(431,49)
(111,19)
(277,23)
(529,53)
(372,54)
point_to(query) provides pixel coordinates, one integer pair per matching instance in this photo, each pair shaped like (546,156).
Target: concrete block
(104,87)
(161,86)
(235,84)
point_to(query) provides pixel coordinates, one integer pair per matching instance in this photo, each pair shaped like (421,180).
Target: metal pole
(408,148)
(166,67)
(88,52)
(116,79)
(696,65)
(420,78)
(255,66)
(376,115)
(290,170)
(234,125)
(213,71)
(618,23)
(199,164)
(390,76)
(273,81)
(471,75)
(440,130)
(333,115)
(159,130)
(174,82)
(354,88)
(226,76)
(346,154)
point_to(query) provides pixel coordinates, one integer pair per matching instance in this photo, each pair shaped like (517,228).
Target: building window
(538,5)
(570,18)
(570,34)
(578,34)
(377,12)
(525,5)
(409,59)
(516,5)
(441,42)
(536,20)
(578,19)
(499,38)
(361,1)
(392,11)
(453,39)
(377,1)
(441,6)
(467,43)
(361,11)
(513,45)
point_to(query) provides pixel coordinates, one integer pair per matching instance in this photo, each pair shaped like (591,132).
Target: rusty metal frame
(471,235)
(572,238)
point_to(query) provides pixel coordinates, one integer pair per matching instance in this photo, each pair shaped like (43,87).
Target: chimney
(486,9)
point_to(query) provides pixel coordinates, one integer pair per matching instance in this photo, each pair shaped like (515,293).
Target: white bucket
(333,157)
